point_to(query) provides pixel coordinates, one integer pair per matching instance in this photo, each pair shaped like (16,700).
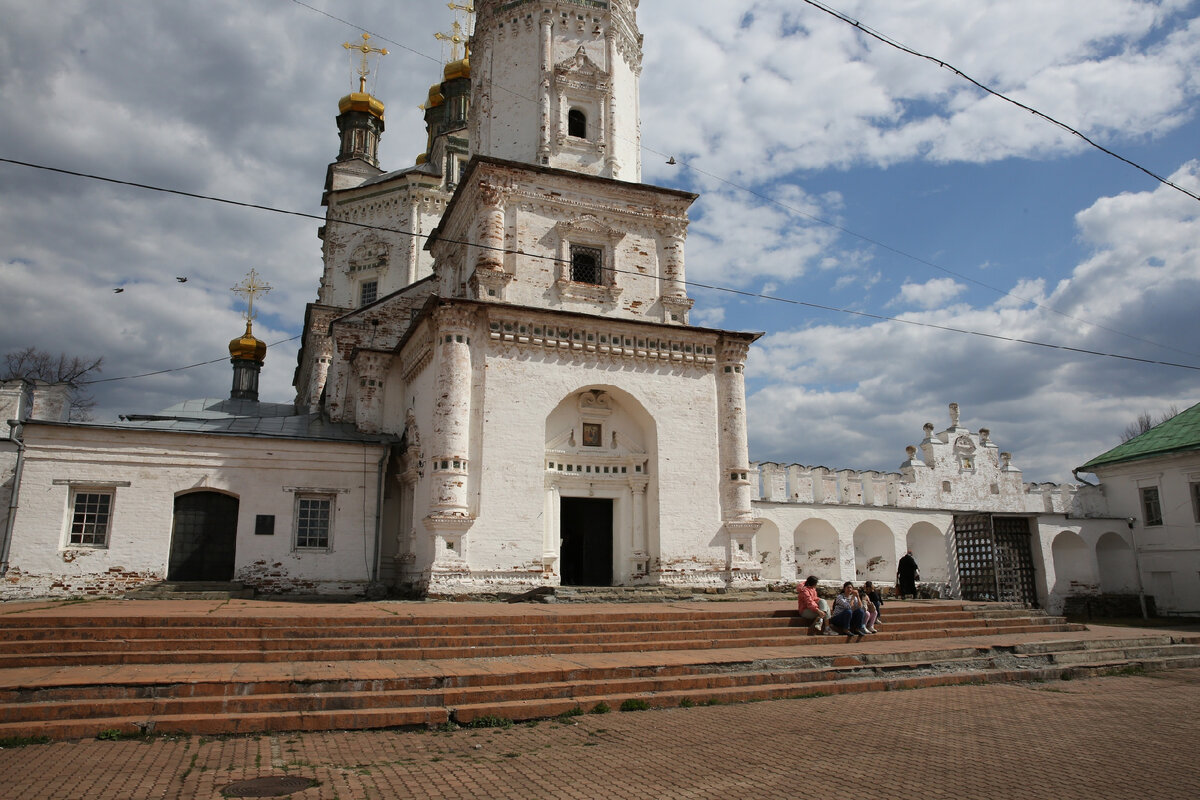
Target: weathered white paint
(147,470)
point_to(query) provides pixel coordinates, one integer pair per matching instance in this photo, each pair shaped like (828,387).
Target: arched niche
(1074,565)
(816,548)
(771,553)
(928,545)
(1116,565)
(875,552)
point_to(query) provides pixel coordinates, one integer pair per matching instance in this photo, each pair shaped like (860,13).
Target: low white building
(1153,482)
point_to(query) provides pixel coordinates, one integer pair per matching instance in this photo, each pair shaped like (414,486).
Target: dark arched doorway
(204,537)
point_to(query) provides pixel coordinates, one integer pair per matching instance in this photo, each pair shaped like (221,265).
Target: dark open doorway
(586,524)
(204,537)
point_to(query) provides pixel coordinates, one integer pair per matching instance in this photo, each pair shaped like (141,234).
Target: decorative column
(449,517)
(608,142)
(489,278)
(736,475)
(368,406)
(547,67)
(639,553)
(675,301)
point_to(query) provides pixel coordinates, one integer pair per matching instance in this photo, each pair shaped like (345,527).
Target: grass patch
(686,702)
(600,708)
(1128,669)
(23,741)
(713,701)
(808,695)
(114,735)
(634,704)
(565,717)
(533,723)
(490,721)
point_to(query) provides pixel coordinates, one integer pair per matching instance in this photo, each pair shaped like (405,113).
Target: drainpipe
(14,426)
(1137,566)
(1084,481)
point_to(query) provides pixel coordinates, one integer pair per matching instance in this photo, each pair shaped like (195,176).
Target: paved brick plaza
(1116,737)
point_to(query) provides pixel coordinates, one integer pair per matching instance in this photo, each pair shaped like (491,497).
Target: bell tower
(556,84)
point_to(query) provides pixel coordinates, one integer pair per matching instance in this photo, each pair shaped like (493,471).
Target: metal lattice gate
(995,558)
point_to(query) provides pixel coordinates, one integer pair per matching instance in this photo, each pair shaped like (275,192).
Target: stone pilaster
(734,446)
(449,450)
(370,370)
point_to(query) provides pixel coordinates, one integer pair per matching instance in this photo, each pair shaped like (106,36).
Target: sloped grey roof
(244,418)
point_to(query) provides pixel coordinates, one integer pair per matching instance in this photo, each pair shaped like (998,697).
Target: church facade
(499,388)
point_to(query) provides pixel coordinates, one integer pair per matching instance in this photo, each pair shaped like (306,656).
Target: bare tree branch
(33,364)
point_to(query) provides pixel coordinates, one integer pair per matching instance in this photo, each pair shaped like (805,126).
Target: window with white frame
(368,291)
(314,521)
(91,517)
(1151,506)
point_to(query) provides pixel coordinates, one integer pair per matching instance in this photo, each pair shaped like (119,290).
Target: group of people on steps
(855,611)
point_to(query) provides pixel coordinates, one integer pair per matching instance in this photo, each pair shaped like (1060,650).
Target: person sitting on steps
(848,616)
(812,608)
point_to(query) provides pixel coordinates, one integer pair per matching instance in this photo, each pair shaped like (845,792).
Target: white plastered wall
(146,470)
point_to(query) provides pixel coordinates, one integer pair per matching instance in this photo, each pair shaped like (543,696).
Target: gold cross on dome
(455,38)
(250,288)
(364,68)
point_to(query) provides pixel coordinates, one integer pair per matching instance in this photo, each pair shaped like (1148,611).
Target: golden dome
(458,69)
(247,347)
(361,101)
(435,96)
(422,159)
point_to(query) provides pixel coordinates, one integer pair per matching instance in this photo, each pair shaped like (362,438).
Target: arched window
(577,123)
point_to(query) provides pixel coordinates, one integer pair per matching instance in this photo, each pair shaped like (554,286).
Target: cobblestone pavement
(1123,736)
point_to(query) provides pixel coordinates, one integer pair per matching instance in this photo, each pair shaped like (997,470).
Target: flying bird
(118,290)
(182,280)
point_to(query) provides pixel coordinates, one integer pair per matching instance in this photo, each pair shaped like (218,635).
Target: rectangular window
(587,264)
(90,518)
(1151,508)
(314,516)
(368,291)
(1195,488)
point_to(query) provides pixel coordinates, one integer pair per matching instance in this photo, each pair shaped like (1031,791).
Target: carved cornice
(601,341)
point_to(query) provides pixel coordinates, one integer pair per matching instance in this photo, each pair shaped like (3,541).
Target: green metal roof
(1178,434)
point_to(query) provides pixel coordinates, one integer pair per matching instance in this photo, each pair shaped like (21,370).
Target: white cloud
(827,391)
(931,294)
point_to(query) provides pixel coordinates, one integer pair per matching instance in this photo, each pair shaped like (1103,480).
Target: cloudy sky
(834,171)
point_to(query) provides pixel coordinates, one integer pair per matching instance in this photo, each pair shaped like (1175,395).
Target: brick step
(482,625)
(229,724)
(229,653)
(526,709)
(235,698)
(327,705)
(125,639)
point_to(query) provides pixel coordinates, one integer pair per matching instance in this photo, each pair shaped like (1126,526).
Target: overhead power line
(890,42)
(688,164)
(177,369)
(534,256)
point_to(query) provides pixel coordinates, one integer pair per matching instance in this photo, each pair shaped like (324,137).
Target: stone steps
(258,673)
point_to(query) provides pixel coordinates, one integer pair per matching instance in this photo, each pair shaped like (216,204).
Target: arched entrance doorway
(204,537)
(601,489)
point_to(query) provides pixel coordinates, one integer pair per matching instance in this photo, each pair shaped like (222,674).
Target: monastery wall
(147,470)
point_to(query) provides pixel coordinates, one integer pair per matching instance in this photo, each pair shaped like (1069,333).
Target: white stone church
(499,389)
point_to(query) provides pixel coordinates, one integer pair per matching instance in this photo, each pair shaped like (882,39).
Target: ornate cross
(455,38)
(364,69)
(250,288)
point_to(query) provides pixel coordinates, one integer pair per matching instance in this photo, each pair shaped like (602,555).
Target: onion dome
(361,101)
(435,96)
(458,69)
(247,347)
(422,159)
